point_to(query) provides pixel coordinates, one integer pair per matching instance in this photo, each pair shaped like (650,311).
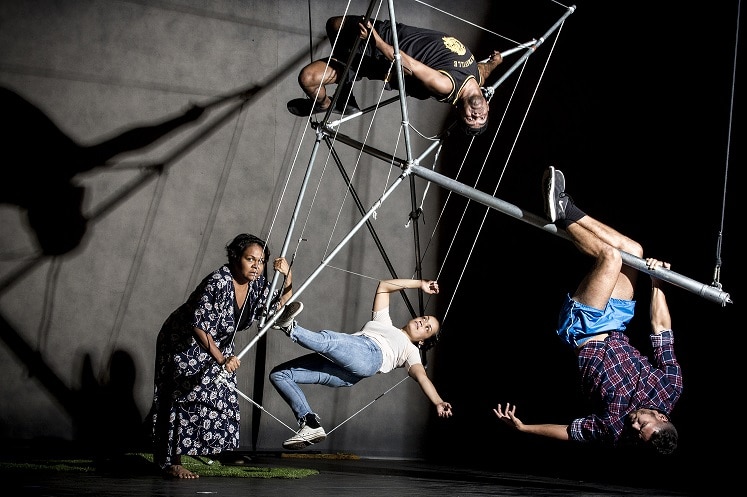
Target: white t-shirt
(395,345)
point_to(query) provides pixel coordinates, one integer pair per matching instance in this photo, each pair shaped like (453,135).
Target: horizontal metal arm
(709,292)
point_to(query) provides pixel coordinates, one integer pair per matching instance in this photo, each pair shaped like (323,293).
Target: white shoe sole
(549,196)
(297,443)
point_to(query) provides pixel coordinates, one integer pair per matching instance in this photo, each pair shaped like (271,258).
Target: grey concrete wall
(99,68)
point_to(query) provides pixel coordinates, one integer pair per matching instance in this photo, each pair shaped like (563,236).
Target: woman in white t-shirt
(343,359)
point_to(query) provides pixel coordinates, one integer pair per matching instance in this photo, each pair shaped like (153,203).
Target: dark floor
(357,477)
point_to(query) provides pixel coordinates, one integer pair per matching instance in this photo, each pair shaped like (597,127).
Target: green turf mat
(142,463)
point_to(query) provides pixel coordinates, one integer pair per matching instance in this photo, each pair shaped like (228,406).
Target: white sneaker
(305,437)
(285,321)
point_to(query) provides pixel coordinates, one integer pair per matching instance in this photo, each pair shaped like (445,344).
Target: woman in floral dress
(195,406)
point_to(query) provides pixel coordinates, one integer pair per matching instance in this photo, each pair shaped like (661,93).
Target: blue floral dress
(194,412)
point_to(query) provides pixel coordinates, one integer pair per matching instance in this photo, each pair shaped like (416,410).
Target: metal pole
(708,292)
(286,242)
(333,253)
(530,51)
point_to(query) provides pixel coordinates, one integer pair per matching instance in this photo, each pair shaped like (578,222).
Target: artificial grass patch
(56,466)
(142,463)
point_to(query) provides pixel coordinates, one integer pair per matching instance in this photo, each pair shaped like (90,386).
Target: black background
(639,106)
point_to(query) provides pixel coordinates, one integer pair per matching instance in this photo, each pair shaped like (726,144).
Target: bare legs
(319,73)
(315,74)
(608,278)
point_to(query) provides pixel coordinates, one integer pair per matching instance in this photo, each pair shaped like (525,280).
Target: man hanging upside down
(435,65)
(631,397)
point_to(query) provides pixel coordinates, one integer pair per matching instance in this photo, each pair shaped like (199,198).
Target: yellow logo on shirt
(454,45)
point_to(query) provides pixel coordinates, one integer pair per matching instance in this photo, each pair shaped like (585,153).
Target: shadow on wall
(107,419)
(104,412)
(41,162)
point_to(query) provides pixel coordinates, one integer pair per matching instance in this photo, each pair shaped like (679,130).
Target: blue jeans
(339,360)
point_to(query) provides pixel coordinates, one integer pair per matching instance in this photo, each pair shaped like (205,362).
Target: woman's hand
(429,286)
(280,264)
(231,363)
(444,410)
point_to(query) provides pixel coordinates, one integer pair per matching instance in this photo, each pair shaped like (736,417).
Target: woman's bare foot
(178,471)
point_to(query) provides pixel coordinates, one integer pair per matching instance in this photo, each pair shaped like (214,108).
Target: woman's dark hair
(431,342)
(236,247)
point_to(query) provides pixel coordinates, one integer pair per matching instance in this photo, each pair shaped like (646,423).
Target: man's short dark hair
(470,131)
(665,440)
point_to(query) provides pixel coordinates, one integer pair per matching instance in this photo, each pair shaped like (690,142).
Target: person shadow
(108,423)
(41,162)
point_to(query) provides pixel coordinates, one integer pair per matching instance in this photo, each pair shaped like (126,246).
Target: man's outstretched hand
(507,416)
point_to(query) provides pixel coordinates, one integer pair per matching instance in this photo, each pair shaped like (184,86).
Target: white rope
(368,405)
(223,379)
(466,21)
(337,127)
(297,153)
(357,163)
(487,155)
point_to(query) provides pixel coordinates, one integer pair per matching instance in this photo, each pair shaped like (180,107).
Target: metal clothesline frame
(411,168)
(326,130)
